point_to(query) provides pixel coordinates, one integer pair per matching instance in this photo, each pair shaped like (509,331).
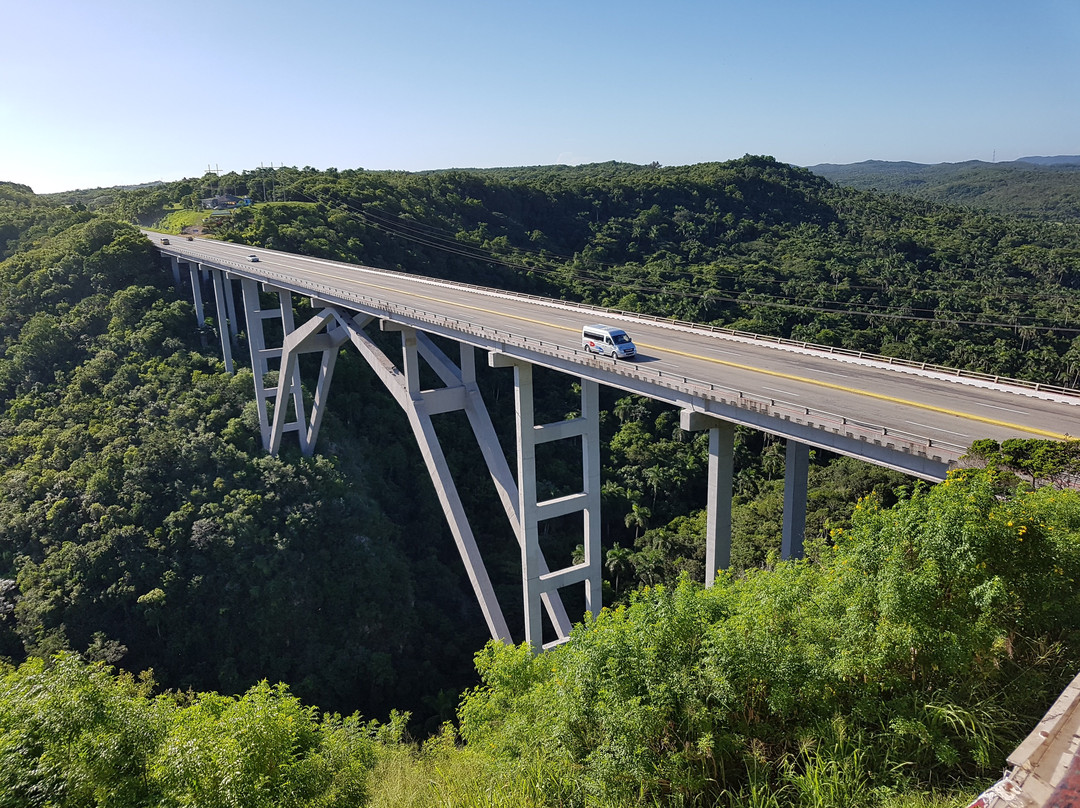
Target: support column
(536,582)
(721,483)
(230,308)
(260,354)
(174,262)
(590,474)
(526,468)
(796,466)
(222,318)
(196,291)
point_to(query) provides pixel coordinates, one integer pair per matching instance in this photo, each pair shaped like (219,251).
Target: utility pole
(216,171)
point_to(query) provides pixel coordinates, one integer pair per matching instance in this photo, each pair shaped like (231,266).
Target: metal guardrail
(732,332)
(906,442)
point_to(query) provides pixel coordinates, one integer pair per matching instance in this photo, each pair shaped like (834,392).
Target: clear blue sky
(116,91)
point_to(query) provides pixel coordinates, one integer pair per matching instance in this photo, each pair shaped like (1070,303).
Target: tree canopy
(141,525)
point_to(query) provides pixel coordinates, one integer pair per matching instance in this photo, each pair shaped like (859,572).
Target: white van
(607,340)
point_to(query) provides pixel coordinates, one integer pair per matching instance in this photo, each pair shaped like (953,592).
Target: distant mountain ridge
(1036,187)
(868,166)
(1065,159)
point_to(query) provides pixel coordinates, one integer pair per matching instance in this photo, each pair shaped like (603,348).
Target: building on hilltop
(225,201)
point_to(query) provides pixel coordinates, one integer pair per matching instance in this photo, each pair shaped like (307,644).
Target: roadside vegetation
(177,220)
(905,656)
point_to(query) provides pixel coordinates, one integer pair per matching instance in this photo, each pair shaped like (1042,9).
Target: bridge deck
(913,419)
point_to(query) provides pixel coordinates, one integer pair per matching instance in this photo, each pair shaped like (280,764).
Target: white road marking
(996,407)
(785,392)
(939,429)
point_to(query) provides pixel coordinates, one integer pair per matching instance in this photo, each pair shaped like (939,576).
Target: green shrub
(76,734)
(914,649)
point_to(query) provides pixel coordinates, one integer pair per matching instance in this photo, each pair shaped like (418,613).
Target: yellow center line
(867,393)
(715,361)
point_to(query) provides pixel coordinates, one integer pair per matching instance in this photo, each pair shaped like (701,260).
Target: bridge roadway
(917,420)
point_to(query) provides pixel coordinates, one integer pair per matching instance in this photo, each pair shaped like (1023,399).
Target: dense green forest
(142,527)
(1045,189)
(901,661)
(752,244)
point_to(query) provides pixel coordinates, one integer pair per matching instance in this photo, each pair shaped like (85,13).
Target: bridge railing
(782,341)
(731,332)
(907,442)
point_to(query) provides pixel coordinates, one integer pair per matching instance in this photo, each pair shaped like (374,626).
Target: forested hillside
(895,668)
(141,525)
(752,243)
(1037,188)
(140,520)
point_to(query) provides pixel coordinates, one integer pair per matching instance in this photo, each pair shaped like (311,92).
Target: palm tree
(638,517)
(617,562)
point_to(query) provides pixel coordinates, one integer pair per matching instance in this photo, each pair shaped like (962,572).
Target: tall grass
(441,774)
(177,220)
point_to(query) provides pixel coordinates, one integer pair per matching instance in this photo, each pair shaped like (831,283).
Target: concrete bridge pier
(196,293)
(721,484)
(721,480)
(536,580)
(796,467)
(174,262)
(230,308)
(224,301)
(224,322)
(265,359)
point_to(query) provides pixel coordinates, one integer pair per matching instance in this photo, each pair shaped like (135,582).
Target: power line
(429,236)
